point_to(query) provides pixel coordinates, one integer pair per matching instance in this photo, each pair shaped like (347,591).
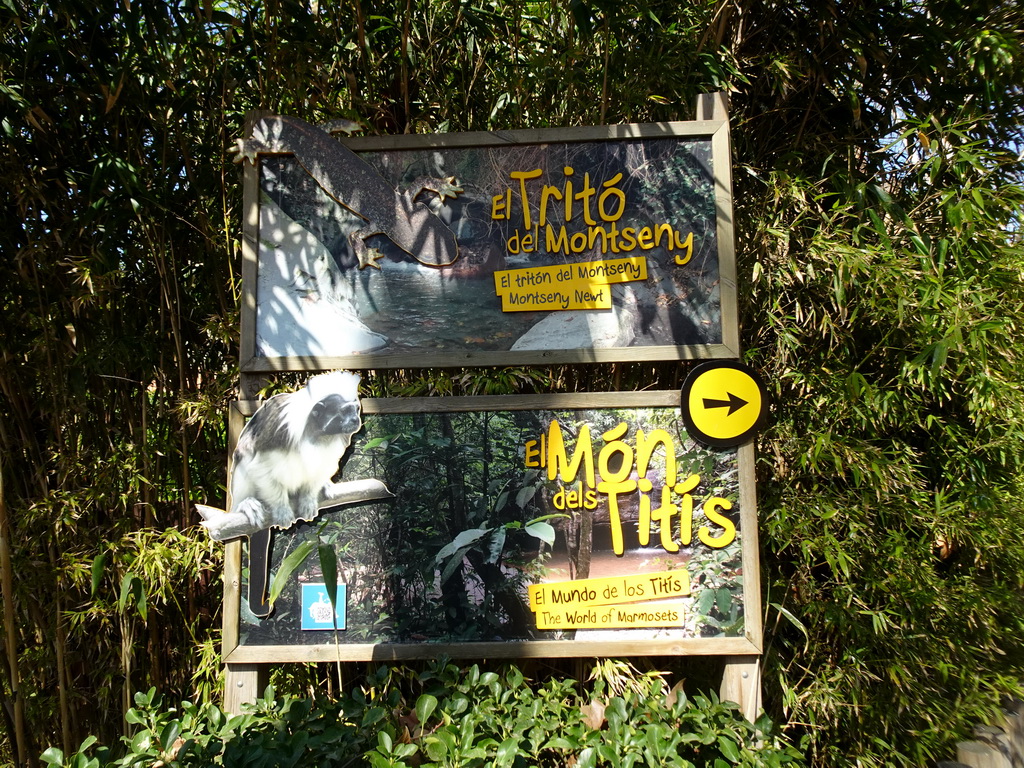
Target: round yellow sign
(723,403)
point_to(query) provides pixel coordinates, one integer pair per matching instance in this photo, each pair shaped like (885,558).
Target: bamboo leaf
(98,564)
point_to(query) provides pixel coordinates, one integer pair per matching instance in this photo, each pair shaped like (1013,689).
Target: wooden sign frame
(247,668)
(650,299)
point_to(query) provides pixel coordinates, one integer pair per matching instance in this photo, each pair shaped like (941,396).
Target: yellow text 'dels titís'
(620,468)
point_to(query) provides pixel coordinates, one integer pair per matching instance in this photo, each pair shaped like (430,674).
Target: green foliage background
(878,188)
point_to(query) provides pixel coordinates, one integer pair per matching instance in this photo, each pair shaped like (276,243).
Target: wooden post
(18,739)
(713,106)
(244,683)
(741,683)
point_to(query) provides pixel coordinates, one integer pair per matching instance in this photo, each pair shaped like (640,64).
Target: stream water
(417,307)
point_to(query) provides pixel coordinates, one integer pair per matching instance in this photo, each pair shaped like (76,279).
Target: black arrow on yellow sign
(723,403)
(734,403)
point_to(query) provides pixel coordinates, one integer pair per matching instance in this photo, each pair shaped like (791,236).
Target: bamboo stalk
(11,639)
(59,649)
(127,641)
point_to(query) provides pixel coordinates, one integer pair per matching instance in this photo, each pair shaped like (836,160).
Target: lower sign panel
(524,526)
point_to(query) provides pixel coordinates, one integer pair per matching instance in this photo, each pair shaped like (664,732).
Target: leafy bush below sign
(447,716)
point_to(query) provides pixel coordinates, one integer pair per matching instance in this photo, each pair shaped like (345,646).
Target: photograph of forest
(472,525)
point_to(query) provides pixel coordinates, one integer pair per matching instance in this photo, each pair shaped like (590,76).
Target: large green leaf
(291,563)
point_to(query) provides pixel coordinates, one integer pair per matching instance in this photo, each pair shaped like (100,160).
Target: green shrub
(447,716)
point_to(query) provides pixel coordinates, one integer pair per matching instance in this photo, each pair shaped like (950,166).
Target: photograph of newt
(406,251)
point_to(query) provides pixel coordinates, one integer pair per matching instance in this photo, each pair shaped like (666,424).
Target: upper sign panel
(517,248)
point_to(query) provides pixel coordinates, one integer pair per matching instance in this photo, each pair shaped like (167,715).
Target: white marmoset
(286,457)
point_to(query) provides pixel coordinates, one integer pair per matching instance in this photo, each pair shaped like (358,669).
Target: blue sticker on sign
(316,607)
